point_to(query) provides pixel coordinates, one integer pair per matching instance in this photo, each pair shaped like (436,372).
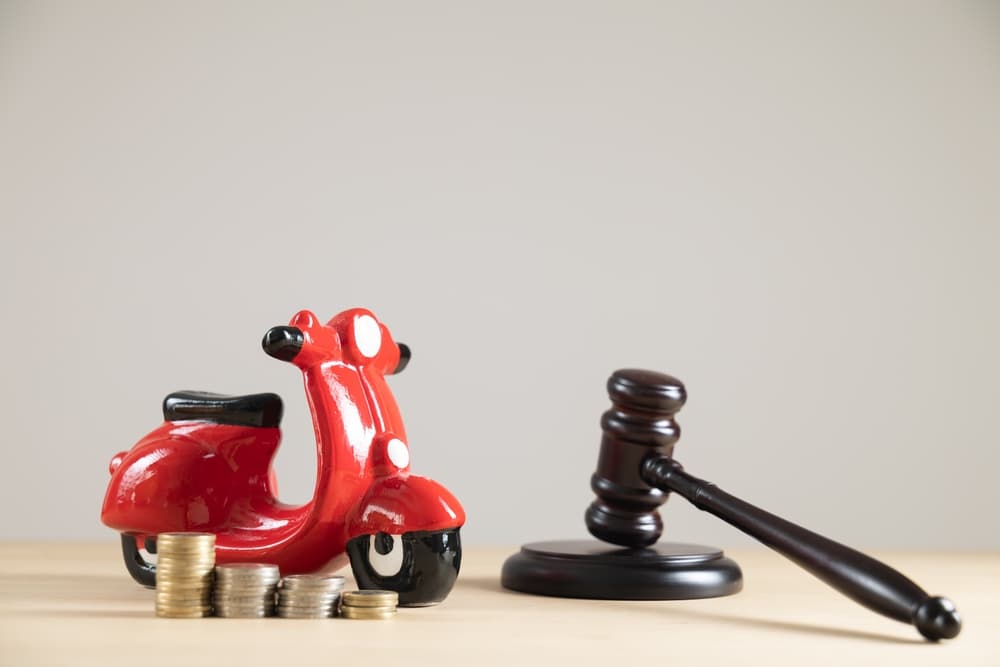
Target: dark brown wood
(865,580)
(636,470)
(600,571)
(639,424)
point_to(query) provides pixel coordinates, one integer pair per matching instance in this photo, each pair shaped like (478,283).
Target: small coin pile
(370,605)
(184,567)
(245,590)
(309,596)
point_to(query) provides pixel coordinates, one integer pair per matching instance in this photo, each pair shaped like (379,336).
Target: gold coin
(183,593)
(184,536)
(175,614)
(183,599)
(183,608)
(187,556)
(371,598)
(168,584)
(173,571)
(187,562)
(183,570)
(367,613)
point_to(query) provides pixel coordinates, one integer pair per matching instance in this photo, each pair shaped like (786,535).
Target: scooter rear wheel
(141,570)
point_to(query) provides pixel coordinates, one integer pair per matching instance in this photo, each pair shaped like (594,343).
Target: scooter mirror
(404,358)
(283,342)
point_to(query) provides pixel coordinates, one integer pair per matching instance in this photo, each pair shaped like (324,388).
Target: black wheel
(141,570)
(421,566)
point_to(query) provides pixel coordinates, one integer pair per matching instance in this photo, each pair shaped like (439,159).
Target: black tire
(428,564)
(141,570)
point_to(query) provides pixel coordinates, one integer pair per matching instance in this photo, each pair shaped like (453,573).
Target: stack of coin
(369,605)
(309,596)
(245,590)
(184,567)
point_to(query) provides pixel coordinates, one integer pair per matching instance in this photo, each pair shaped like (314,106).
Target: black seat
(262,410)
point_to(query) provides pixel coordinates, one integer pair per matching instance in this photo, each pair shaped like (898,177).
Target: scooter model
(208,468)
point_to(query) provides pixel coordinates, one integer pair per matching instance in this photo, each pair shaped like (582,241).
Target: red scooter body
(208,468)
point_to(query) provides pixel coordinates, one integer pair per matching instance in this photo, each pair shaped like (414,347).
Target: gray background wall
(794,207)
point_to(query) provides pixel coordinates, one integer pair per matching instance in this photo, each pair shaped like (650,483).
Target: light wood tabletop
(73,604)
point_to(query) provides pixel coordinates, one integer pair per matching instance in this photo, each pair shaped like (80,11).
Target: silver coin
(298,581)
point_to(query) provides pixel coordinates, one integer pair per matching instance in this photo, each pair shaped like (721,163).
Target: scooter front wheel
(421,566)
(141,570)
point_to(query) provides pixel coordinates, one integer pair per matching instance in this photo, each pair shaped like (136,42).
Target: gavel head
(639,424)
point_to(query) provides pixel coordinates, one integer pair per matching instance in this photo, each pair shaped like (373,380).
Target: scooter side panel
(186,476)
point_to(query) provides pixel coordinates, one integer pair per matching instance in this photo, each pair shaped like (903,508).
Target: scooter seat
(262,410)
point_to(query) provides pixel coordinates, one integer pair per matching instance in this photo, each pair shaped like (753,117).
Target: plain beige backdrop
(792,206)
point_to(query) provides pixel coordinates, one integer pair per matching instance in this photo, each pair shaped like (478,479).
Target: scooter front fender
(404,503)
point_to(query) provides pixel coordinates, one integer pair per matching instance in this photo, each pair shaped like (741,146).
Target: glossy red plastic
(199,475)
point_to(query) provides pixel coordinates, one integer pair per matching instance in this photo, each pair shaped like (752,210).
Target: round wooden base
(600,571)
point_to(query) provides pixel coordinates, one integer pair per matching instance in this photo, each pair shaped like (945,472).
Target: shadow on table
(781,625)
(675,610)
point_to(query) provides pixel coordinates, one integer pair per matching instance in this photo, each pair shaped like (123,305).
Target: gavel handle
(865,580)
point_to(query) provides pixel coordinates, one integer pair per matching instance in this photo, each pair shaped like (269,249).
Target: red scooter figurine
(208,468)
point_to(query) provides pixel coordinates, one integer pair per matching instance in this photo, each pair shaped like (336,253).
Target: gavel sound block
(635,472)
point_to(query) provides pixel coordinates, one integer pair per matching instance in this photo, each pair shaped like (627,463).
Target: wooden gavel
(636,471)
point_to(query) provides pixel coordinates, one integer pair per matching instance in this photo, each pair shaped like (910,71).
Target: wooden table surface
(74,604)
